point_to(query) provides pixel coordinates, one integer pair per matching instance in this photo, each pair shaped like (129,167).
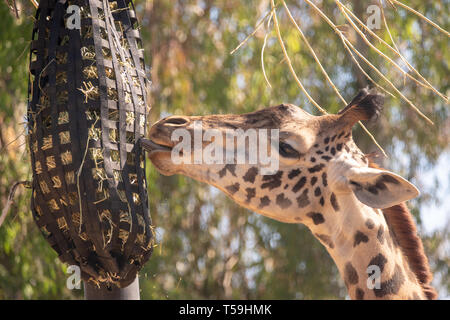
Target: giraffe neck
(363,246)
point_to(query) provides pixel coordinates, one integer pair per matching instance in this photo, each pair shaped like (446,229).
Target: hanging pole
(92,292)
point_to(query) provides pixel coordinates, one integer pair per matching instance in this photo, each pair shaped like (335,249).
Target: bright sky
(437,216)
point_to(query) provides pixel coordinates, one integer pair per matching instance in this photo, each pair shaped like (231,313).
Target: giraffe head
(322,180)
(318,161)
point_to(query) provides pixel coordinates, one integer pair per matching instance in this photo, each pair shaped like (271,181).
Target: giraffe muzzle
(151,146)
(159,137)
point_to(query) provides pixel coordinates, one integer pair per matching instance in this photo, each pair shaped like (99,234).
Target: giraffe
(324,181)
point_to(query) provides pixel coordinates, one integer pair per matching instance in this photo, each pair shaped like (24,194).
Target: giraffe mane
(399,219)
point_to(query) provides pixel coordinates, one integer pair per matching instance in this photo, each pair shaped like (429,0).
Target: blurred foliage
(208,247)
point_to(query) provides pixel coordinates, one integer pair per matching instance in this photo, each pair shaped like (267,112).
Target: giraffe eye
(287,151)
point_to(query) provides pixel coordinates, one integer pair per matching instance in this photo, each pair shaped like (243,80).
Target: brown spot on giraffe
(282,201)
(370,224)
(324,179)
(379,261)
(360,237)
(250,175)
(316,168)
(334,202)
(351,276)
(317,192)
(316,217)
(228,167)
(359,294)
(322,201)
(303,200)
(272,181)
(294,173)
(251,193)
(233,188)
(264,202)
(299,185)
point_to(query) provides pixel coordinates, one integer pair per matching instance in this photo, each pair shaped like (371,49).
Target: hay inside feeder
(56,182)
(88,53)
(90,91)
(66,158)
(51,164)
(90,72)
(64,137)
(63,117)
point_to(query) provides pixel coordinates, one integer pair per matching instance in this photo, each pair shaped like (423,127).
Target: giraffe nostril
(176,121)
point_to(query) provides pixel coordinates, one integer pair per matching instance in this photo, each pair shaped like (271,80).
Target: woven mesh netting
(87,111)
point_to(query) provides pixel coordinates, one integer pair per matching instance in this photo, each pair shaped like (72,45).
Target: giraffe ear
(380,188)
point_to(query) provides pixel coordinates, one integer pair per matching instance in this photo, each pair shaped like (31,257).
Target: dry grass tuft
(90,92)
(66,158)
(64,137)
(63,117)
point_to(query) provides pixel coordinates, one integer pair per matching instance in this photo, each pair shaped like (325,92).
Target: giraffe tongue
(149,146)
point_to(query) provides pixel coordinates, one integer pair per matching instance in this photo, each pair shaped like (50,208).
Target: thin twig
(403,58)
(299,83)
(389,33)
(392,5)
(79,173)
(387,80)
(16,12)
(426,84)
(355,27)
(258,25)
(328,78)
(262,51)
(421,16)
(365,73)
(40,75)
(11,142)
(35,3)
(24,50)
(313,53)
(10,199)
(345,40)
(336,29)
(13,8)
(395,49)
(288,60)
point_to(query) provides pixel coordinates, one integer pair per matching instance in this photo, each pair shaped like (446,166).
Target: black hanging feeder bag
(87,111)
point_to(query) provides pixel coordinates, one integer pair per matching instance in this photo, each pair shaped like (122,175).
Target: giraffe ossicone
(323,180)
